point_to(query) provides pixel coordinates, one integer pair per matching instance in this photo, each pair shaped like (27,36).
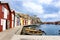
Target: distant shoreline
(55,23)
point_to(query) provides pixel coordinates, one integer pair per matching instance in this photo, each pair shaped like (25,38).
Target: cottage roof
(6,5)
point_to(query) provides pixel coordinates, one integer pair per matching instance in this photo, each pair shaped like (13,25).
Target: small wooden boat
(32,31)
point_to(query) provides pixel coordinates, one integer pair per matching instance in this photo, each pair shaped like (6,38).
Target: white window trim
(5,12)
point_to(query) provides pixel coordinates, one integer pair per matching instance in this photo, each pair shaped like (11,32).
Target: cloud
(59,12)
(57,4)
(50,9)
(33,7)
(50,16)
(11,0)
(45,1)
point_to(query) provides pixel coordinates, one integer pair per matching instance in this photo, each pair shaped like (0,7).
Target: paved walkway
(12,34)
(7,34)
(34,37)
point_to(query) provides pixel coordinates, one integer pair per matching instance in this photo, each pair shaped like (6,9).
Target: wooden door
(1,28)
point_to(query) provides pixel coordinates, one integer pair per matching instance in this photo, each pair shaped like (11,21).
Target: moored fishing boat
(32,31)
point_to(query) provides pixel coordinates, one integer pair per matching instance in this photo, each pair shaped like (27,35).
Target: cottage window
(5,12)
(12,17)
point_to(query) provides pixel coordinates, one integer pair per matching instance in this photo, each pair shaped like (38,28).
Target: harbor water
(50,29)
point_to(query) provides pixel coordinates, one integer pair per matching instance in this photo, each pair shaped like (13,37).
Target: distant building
(17,20)
(23,20)
(29,21)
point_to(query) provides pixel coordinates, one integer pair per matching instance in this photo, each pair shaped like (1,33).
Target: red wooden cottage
(12,18)
(5,16)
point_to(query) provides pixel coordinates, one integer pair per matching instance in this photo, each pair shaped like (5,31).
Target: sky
(46,10)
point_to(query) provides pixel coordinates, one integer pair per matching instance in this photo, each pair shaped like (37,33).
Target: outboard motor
(44,32)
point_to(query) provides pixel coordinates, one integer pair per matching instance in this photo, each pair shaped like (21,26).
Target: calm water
(50,29)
